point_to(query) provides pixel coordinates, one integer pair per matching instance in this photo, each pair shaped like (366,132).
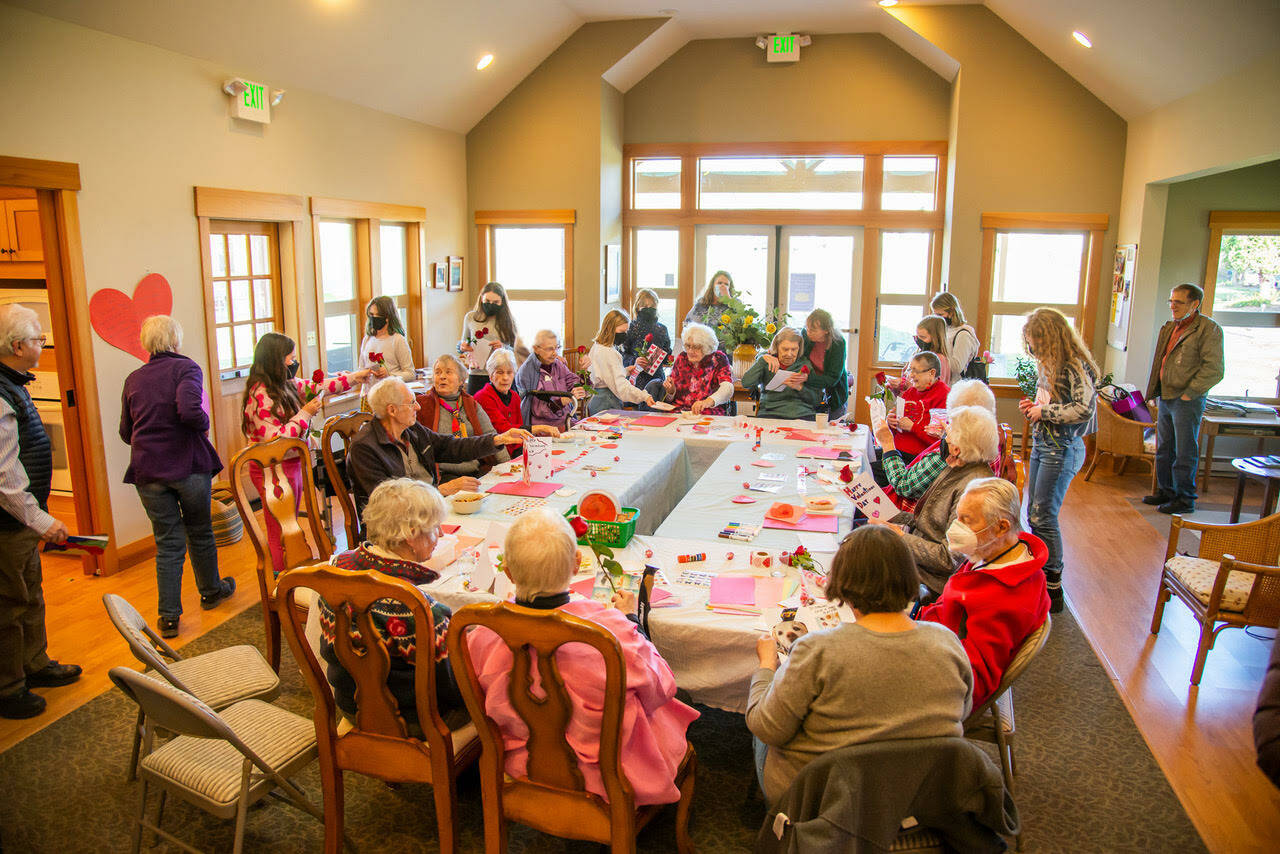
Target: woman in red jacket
(998,596)
(501,402)
(923,393)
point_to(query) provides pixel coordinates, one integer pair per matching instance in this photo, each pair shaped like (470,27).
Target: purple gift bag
(1131,405)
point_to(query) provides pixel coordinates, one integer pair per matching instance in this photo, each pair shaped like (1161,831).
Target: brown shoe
(54,675)
(22,705)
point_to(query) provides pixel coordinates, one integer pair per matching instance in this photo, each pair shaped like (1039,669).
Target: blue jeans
(180,516)
(1178,446)
(602,401)
(1048,477)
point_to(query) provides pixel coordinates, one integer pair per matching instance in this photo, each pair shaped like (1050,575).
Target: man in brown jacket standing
(1188,362)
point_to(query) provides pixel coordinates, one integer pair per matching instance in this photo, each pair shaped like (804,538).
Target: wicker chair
(993,721)
(1234,580)
(1122,439)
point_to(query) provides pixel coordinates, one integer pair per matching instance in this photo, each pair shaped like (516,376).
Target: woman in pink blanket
(541,555)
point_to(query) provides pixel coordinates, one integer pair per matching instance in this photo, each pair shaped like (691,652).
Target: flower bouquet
(739,325)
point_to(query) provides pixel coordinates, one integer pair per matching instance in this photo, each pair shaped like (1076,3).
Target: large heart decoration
(117,317)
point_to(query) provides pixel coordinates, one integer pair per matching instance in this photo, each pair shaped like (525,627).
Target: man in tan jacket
(1188,362)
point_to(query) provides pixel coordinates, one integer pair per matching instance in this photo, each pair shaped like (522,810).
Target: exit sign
(251,104)
(783,47)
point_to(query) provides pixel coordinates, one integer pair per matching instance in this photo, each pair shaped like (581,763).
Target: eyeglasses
(918,373)
(39,339)
(1179,302)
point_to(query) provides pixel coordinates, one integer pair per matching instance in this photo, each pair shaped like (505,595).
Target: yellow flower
(770,328)
(725,318)
(748,320)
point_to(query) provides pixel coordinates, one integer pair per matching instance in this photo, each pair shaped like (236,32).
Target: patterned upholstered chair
(222,763)
(219,678)
(1234,580)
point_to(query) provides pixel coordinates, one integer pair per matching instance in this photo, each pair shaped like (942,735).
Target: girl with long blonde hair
(609,378)
(962,341)
(1062,414)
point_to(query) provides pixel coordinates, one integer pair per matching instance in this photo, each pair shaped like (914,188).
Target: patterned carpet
(1086,783)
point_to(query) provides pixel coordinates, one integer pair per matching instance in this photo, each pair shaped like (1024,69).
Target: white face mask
(962,539)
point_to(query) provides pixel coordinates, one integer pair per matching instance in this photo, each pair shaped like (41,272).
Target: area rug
(1086,780)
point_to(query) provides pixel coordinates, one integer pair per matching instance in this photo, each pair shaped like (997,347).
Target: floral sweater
(698,382)
(1072,408)
(265,426)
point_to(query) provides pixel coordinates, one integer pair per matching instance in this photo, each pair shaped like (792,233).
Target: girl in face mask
(384,335)
(608,378)
(486,327)
(644,331)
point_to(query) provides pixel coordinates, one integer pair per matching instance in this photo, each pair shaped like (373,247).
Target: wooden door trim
(39,174)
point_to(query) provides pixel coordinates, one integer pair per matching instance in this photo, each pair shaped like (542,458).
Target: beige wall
(611,132)
(1026,137)
(845,87)
(1232,123)
(543,147)
(146,125)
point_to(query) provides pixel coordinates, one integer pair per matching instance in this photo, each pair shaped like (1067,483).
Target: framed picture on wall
(439,274)
(613,272)
(455,273)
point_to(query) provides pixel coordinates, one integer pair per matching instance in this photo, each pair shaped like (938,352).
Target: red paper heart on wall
(118,317)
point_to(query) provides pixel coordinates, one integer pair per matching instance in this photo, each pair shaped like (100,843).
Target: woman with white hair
(541,555)
(907,481)
(609,381)
(402,526)
(998,595)
(549,390)
(172,464)
(501,402)
(447,409)
(795,399)
(972,441)
(700,379)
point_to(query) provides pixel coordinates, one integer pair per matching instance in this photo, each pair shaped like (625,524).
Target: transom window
(780,183)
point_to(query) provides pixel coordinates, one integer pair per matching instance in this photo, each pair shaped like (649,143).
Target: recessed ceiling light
(485,62)
(1082,38)
(667,11)
(887,3)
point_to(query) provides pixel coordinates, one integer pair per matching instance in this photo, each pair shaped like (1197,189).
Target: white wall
(1229,124)
(146,125)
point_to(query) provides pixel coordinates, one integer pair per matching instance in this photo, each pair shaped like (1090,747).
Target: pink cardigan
(653,721)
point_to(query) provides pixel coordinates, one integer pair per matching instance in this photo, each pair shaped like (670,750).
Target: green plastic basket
(615,535)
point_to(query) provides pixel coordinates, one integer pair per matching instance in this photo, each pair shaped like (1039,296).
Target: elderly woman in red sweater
(998,596)
(500,400)
(923,393)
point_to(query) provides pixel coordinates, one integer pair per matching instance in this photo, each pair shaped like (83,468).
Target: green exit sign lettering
(252,102)
(782,47)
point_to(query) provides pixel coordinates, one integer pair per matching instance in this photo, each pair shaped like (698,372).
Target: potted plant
(743,332)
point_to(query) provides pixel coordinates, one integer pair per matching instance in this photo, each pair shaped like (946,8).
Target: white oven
(51,414)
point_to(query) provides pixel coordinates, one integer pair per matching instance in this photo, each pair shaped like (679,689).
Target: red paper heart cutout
(117,318)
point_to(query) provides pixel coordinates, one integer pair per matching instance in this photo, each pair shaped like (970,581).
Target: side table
(1213,426)
(1246,468)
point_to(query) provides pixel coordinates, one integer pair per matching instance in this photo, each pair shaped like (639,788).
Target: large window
(1034,260)
(904,282)
(364,250)
(657,263)
(1242,294)
(244,278)
(530,253)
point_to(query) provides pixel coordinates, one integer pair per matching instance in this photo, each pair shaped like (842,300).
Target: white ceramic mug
(822,419)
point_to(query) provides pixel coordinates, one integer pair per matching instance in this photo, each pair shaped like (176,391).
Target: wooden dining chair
(1011,468)
(552,797)
(1232,580)
(282,504)
(379,743)
(345,427)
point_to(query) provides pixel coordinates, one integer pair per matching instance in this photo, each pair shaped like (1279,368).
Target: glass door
(745,252)
(821,267)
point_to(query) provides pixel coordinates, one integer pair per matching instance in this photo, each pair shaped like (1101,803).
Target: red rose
(376,358)
(882,378)
(846,475)
(317,376)
(581,349)
(648,339)
(804,369)
(396,627)
(800,550)
(579,525)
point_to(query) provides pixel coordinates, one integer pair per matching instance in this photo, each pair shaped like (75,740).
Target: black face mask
(648,314)
(919,343)
(490,308)
(292,368)
(943,449)
(376,322)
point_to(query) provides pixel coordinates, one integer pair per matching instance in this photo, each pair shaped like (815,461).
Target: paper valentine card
(538,451)
(870,498)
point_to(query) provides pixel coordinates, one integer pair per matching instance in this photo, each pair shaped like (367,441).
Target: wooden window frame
(368,218)
(271,231)
(871,217)
(1231,221)
(1092,226)
(486,221)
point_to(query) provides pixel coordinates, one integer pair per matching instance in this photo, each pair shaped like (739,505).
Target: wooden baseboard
(132,554)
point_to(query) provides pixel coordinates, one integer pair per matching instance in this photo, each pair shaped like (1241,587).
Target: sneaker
(228,587)
(1177,505)
(168,627)
(24,704)
(54,675)
(1157,498)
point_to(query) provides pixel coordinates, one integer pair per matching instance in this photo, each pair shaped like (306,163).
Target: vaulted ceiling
(417,58)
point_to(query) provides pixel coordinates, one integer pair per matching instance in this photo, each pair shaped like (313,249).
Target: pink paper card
(822,524)
(770,591)
(733,590)
(654,420)
(802,435)
(530,490)
(450,529)
(819,453)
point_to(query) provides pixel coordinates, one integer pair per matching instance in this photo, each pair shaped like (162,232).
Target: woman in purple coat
(549,390)
(172,464)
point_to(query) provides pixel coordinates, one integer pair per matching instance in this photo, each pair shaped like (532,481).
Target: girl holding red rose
(486,327)
(384,348)
(645,331)
(279,403)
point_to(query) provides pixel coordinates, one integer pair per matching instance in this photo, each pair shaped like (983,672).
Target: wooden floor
(1200,737)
